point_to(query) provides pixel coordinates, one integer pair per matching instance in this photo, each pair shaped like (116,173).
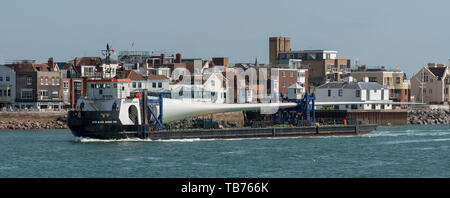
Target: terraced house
(38,86)
(7,87)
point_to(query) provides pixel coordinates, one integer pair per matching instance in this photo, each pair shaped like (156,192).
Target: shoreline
(33,120)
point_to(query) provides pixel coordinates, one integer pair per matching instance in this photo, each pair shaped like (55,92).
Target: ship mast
(107,54)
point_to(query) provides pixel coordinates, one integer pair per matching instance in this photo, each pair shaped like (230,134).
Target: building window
(1,78)
(55,94)
(9,92)
(430,91)
(57,81)
(358,93)
(213,83)
(29,80)
(154,84)
(44,93)
(397,80)
(134,84)
(340,92)
(7,78)
(46,81)
(139,85)
(329,93)
(27,94)
(446,90)
(42,81)
(284,84)
(1,93)
(329,67)
(66,85)
(291,74)
(53,81)
(283,74)
(159,84)
(372,79)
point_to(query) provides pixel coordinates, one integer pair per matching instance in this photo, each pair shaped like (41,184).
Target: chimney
(163,56)
(178,58)
(50,62)
(349,79)
(366,79)
(75,61)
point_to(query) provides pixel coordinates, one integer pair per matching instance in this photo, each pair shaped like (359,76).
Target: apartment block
(394,80)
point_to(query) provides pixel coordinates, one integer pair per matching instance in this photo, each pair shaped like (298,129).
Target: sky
(407,34)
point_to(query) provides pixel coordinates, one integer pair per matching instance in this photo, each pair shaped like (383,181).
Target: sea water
(390,151)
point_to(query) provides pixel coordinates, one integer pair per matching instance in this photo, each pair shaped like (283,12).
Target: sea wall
(379,117)
(429,116)
(33,120)
(27,120)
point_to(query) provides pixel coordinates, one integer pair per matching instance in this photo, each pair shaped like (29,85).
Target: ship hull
(95,124)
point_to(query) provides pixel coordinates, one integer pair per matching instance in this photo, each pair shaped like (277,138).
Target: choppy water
(395,151)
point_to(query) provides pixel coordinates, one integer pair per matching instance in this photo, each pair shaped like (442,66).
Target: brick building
(38,86)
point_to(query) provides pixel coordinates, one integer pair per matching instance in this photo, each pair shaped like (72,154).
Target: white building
(212,89)
(368,93)
(296,91)
(7,87)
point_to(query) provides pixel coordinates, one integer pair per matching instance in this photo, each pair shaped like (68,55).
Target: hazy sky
(383,32)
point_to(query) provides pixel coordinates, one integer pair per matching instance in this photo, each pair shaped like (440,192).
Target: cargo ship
(113,111)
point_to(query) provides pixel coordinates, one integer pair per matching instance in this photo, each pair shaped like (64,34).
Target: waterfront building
(323,65)
(212,89)
(431,84)
(350,91)
(296,91)
(394,80)
(7,87)
(72,90)
(157,83)
(38,86)
(288,77)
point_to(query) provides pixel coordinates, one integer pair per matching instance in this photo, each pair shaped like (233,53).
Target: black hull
(90,124)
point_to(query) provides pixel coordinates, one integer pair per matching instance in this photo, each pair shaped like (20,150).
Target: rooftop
(351,85)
